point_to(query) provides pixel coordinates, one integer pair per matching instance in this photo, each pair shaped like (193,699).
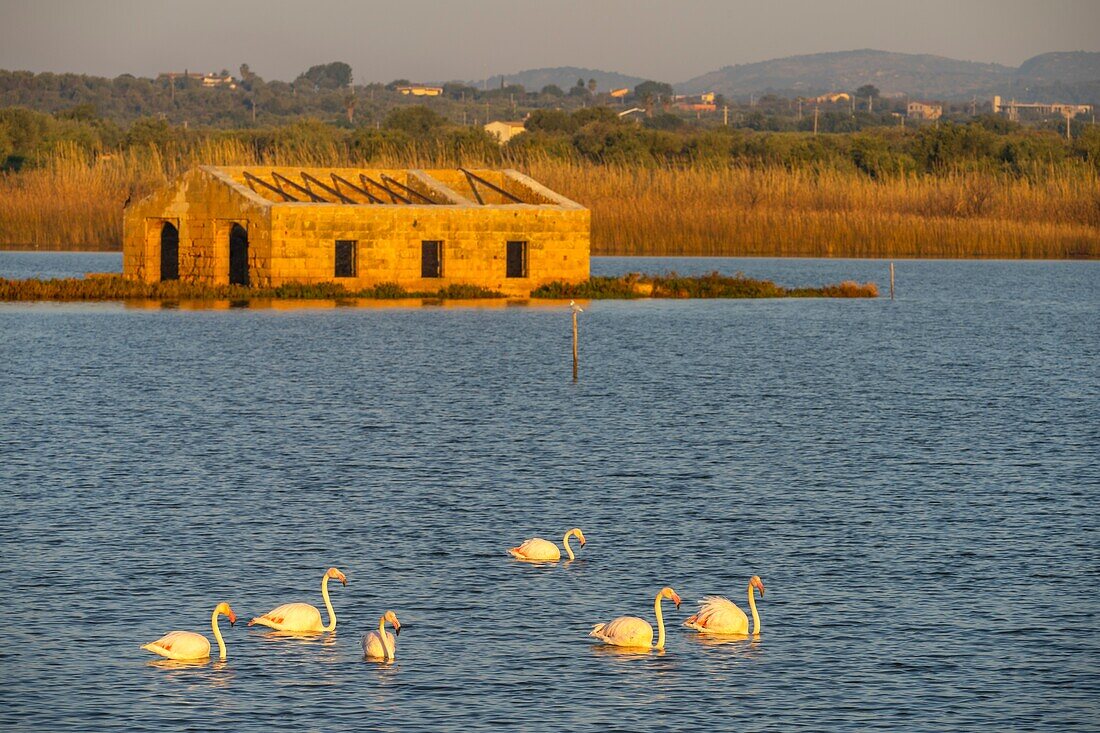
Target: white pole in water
(575,309)
(891,281)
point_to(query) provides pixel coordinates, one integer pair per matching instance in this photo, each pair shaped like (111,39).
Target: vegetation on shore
(713,285)
(984,189)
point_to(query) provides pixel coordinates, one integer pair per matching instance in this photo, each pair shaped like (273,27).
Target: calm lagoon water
(917,482)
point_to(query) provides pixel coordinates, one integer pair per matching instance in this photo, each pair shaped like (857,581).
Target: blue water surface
(917,482)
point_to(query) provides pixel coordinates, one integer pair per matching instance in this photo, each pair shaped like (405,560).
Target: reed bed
(714,285)
(115,287)
(76,199)
(832,213)
(711,285)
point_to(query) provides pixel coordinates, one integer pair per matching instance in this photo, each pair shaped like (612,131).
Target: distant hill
(1073,75)
(918,74)
(1062,67)
(565,77)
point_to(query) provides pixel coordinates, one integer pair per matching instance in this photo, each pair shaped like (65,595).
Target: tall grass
(76,199)
(832,213)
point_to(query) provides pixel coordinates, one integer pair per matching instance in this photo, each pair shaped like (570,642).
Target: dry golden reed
(782,212)
(76,200)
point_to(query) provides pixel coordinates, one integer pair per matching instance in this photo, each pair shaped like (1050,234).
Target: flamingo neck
(755,615)
(217,634)
(568,549)
(328,604)
(660,623)
(386,651)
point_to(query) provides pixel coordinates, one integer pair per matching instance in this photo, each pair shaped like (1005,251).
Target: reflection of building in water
(1013,108)
(424,230)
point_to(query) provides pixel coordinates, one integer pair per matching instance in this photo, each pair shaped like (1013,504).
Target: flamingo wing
(372,645)
(718,615)
(536,549)
(291,617)
(180,645)
(625,631)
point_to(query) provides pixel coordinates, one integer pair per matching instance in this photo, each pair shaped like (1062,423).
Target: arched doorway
(169,252)
(238,255)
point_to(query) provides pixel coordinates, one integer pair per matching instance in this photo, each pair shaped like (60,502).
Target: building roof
(296,185)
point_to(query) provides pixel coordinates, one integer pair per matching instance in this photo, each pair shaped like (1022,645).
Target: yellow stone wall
(204,210)
(295,242)
(389,241)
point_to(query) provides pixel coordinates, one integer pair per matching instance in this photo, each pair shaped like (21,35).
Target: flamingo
(302,618)
(189,646)
(718,615)
(382,644)
(575,308)
(537,549)
(631,631)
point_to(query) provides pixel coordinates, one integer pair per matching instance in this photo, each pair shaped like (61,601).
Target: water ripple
(915,481)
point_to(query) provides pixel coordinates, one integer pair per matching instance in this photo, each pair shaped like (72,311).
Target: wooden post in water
(891,281)
(574,345)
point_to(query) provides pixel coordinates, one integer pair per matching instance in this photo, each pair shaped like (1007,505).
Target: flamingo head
(224,609)
(391,617)
(580,535)
(337,575)
(670,594)
(755,582)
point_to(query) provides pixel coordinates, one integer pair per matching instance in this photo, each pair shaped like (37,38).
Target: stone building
(924,111)
(505,130)
(422,229)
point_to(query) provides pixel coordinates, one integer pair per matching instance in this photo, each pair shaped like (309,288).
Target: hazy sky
(671,40)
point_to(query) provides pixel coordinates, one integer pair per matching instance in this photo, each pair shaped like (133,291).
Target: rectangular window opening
(431,258)
(516,260)
(346,264)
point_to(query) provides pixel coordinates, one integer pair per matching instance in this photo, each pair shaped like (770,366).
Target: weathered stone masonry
(422,229)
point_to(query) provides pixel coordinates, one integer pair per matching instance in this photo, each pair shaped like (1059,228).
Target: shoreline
(112,287)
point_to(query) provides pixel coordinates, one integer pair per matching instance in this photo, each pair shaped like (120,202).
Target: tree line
(593,134)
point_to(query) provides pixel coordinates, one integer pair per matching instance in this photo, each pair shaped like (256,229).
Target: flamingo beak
(676,600)
(232,619)
(397,630)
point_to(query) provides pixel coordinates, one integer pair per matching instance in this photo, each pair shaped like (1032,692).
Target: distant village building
(504,130)
(698,103)
(634,113)
(207,80)
(833,98)
(1012,109)
(216,80)
(924,111)
(619,93)
(419,90)
(422,229)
